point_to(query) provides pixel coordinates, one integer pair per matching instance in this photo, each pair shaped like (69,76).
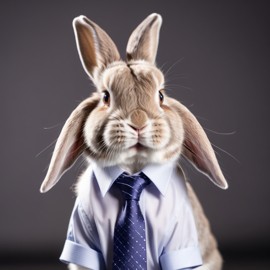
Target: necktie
(129,233)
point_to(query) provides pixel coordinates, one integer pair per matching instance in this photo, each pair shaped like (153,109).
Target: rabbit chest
(164,204)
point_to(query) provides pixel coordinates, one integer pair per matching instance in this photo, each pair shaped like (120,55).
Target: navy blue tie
(129,233)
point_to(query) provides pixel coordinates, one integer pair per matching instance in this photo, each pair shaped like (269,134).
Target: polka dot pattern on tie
(129,234)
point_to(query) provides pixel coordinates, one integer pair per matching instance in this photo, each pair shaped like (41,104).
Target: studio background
(216,59)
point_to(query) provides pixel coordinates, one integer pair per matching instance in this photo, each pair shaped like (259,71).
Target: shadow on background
(234,259)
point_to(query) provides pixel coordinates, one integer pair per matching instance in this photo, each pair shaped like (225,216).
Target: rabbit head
(129,121)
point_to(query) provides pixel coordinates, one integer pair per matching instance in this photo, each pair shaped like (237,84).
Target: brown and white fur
(130,121)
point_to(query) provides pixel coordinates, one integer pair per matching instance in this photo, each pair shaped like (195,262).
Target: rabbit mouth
(138,147)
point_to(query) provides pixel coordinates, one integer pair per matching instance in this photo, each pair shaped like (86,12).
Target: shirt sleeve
(82,244)
(182,250)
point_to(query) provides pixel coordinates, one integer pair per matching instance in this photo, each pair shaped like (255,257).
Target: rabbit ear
(95,47)
(70,143)
(143,42)
(197,148)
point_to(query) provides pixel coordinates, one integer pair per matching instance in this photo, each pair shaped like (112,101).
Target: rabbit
(131,122)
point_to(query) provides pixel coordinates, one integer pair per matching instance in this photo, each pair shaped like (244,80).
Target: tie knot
(132,185)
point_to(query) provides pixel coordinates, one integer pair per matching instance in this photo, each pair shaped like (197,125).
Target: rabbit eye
(161,97)
(106,97)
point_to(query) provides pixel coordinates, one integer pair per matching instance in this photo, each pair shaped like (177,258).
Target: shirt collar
(160,175)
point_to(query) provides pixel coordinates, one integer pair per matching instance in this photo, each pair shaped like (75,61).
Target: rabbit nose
(138,119)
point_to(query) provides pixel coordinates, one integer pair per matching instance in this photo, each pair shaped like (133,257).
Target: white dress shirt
(171,236)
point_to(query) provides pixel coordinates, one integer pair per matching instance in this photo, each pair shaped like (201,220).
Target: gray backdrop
(217,57)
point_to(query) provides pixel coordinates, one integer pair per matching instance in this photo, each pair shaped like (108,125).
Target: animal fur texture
(130,121)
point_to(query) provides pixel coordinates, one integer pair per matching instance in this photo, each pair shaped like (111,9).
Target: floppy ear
(95,47)
(143,42)
(197,147)
(70,143)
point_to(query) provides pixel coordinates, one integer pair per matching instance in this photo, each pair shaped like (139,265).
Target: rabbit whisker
(224,151)
(46,148)
(173,65)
